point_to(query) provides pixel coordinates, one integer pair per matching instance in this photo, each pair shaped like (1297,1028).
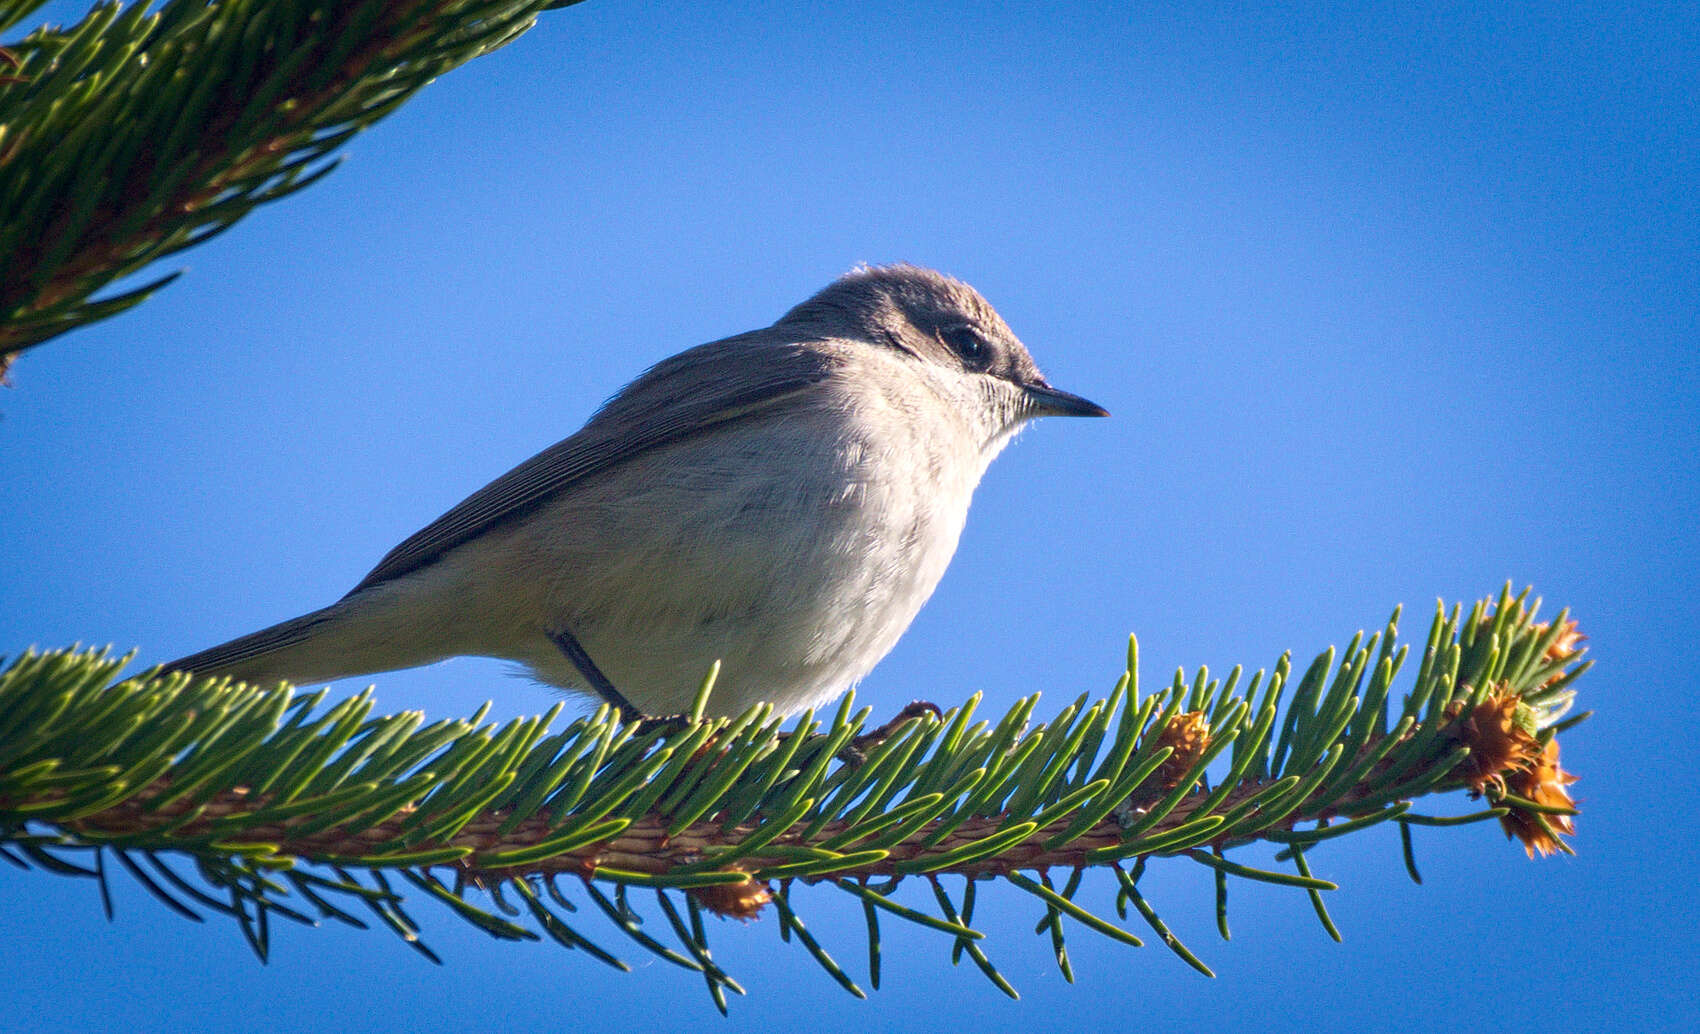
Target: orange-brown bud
(1543,783)
(1569,641)
(743,900)
(1189,735)
(1498,741)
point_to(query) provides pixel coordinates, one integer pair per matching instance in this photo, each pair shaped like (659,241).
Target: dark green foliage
(134,134)
(258,804)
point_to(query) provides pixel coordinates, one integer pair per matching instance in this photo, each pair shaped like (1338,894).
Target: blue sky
(1389,303)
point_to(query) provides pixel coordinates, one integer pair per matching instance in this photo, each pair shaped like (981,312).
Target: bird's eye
(969,345)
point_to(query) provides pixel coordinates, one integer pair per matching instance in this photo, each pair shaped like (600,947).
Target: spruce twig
(138,132)
(273,796)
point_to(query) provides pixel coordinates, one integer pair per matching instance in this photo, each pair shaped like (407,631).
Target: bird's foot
(856,751)
(666,723)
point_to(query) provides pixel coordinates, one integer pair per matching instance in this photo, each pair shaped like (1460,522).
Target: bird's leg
(569,645)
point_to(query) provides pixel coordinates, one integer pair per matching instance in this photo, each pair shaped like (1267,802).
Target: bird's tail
(293,651)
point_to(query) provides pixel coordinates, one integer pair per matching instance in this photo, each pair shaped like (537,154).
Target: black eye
(969,345)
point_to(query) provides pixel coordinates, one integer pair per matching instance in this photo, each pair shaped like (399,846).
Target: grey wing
(706,387)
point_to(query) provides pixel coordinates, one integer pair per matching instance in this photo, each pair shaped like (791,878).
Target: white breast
(795,550)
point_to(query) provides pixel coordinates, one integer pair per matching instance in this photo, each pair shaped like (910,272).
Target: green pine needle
(285,806)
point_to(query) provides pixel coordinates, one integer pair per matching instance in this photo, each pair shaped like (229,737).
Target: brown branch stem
(644,846)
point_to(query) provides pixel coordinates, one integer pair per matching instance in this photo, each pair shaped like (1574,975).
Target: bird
(782,501)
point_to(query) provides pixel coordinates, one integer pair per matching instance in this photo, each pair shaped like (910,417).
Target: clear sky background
(1390,302)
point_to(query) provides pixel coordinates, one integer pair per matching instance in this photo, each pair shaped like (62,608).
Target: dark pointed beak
(1048,401)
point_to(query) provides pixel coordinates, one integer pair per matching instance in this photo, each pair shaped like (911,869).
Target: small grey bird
(784,500)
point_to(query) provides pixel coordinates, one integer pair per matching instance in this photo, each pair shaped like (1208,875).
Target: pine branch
(277,801)
(133,135)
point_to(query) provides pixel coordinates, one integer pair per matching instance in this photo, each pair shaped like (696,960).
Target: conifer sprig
(258,803)
(139,132)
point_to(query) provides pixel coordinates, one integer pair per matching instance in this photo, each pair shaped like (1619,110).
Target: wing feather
(692,393)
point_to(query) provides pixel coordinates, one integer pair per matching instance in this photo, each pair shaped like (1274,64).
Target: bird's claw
(856,751)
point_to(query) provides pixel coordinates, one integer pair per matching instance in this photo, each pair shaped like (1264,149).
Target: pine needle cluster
(140,131)
(257,803)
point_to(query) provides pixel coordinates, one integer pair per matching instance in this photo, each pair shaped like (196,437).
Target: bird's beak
(1048,401)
